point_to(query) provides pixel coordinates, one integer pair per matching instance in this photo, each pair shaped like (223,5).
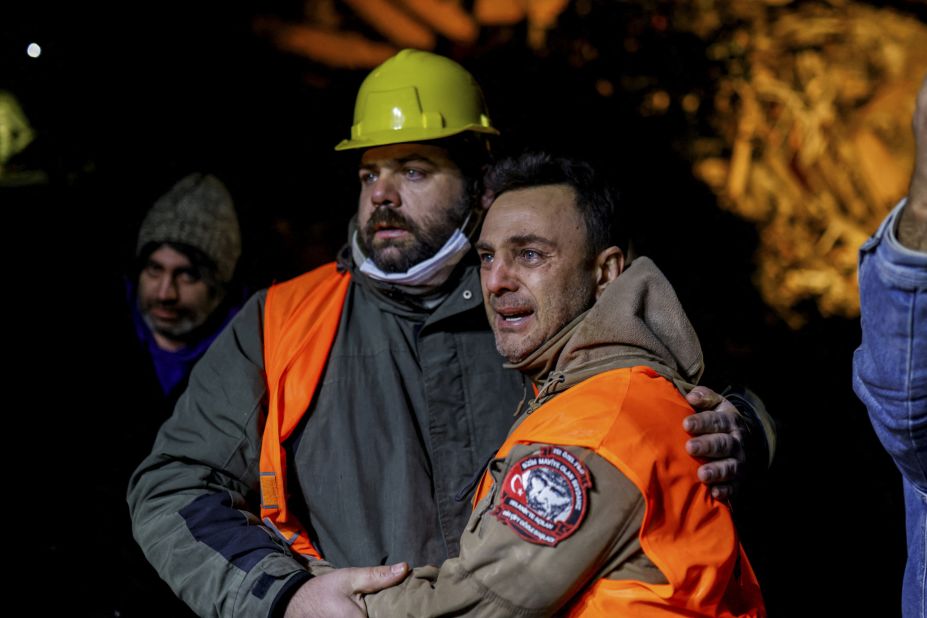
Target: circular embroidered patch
(543,496)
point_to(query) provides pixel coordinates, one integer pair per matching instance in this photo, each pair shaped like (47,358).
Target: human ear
(608,265)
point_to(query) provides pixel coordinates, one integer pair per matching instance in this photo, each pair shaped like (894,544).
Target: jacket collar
(638,320)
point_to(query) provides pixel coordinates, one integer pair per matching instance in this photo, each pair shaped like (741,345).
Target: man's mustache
(509,301)
(387,217)
(154,303)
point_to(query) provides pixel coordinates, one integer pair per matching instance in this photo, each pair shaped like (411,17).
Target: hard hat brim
(410,135)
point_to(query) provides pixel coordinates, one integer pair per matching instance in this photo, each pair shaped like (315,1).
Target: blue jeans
(890,377)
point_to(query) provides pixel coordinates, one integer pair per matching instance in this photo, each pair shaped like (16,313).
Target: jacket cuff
(897,252)
(278,609)
(896,264)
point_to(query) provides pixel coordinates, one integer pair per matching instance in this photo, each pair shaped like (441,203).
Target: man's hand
(339,593)
(718,432)
(912,228)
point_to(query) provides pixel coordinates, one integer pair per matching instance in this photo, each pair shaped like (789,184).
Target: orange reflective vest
(633,418)
(301,319)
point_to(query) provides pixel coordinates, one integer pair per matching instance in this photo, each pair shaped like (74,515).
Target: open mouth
(514,316)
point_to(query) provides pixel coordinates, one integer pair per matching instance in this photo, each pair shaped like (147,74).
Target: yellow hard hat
(413,97)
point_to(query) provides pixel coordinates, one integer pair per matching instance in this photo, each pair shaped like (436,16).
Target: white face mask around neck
(430,273)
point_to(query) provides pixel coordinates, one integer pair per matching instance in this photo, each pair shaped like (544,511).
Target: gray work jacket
(412,404)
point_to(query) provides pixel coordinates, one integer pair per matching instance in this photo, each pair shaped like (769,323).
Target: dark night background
(126,98)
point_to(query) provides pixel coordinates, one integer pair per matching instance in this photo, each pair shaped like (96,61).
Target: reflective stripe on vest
(633,419)
(301,319)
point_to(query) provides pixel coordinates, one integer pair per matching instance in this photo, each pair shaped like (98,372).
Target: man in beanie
(178,297)
(188,246)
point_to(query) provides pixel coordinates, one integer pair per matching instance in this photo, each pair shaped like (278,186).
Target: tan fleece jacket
(637,321)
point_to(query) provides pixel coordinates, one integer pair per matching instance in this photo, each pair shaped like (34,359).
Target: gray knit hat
(198,212)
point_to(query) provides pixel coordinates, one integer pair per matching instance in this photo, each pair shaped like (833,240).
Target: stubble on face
(563,304)
(536,276)
(183,321)
(175,316)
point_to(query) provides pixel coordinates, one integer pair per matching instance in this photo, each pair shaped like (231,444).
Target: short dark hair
(597,201)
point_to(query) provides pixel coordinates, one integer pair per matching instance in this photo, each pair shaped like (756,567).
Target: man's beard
(398,256)
(184,327)
(178,330)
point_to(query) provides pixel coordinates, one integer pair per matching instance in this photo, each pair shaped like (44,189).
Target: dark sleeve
(193,499)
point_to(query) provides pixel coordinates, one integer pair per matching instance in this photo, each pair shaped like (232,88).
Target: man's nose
(167,288)
(498,277)
(385,191)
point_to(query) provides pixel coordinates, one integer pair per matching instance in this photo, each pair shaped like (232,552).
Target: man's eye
(530,255)
(486,258)
(187,277)
(153,270)
(414,174)
(367,177)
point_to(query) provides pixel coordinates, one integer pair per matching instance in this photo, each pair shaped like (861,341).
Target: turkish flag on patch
(543,496)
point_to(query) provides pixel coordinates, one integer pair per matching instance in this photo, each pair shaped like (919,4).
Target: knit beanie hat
(198,212)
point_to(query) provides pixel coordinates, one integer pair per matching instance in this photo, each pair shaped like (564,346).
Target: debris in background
(337,33)
(813,118)
(796,114)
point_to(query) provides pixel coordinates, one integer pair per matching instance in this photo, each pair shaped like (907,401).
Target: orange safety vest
(633,418)
(301,319)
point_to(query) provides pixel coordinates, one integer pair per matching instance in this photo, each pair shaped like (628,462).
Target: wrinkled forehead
(413,151)
(545,211)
